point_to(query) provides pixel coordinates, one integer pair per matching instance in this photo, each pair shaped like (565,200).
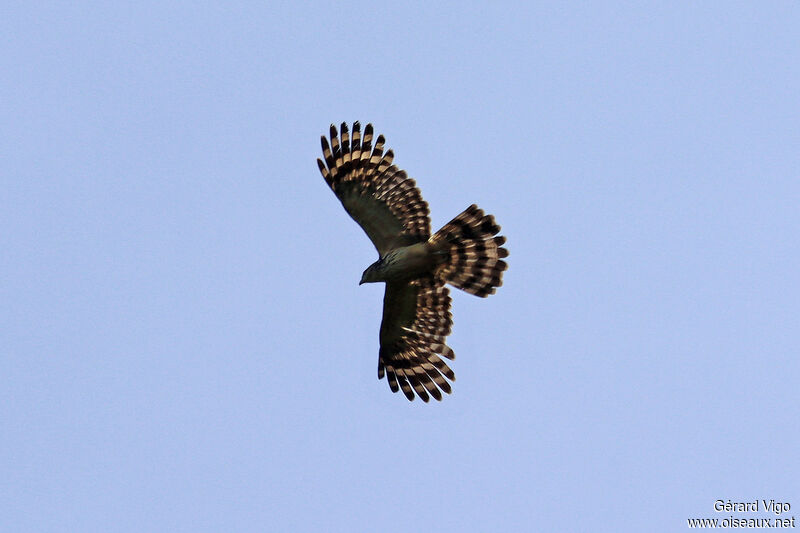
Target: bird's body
(405,263)
(414,264)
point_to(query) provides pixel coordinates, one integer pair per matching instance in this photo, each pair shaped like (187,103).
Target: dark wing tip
(408,392)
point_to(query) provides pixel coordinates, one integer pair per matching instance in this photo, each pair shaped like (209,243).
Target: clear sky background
(183,342)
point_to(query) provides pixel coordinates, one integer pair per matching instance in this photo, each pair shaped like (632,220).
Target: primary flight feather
(415,265)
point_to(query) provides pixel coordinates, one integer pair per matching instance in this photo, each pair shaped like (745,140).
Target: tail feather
(474,255)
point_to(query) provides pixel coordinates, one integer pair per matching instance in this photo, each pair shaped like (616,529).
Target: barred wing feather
(380,197)
(416,322)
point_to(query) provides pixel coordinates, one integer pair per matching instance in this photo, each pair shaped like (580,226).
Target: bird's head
(373,273)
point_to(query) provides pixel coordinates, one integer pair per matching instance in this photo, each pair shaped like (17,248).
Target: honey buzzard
(414,264)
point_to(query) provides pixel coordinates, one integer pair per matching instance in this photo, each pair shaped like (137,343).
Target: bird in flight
(415,265)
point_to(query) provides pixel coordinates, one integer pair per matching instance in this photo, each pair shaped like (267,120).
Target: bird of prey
(415,265)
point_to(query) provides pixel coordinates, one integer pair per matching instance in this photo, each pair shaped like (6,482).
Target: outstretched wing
(416,322)
(384,201)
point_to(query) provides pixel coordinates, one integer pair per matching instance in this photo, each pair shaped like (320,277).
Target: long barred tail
(473,254)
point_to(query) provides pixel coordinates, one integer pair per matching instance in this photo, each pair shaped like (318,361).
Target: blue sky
(184,343)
